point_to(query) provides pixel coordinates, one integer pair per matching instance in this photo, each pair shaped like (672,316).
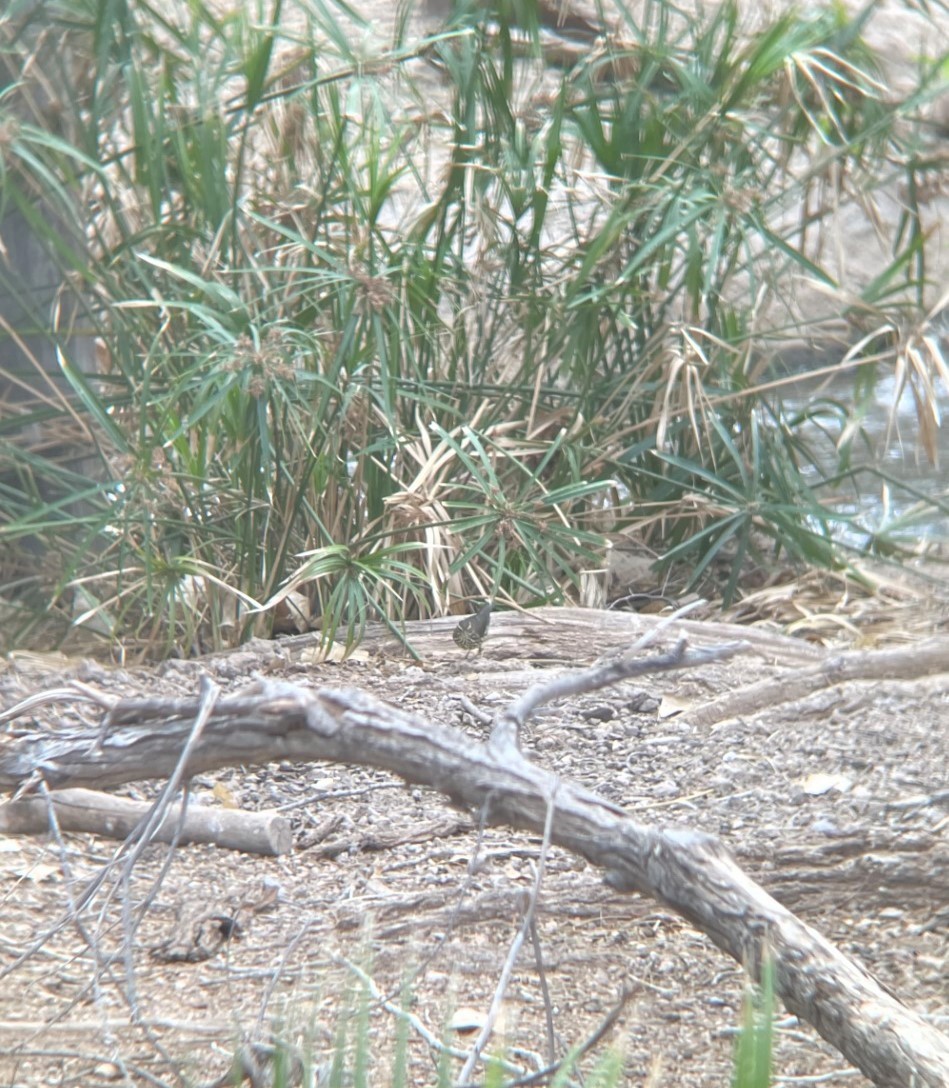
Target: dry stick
(142,837)
(905,662)
(686,870)
(113,817)
(508,968)
(428,1037)
(577,1052)
(74,908)
(476,712)
(505,733)
(144,833)
(449,928)
(73,912)
(545,993)
(210,693)
(76,692)
(277,973)
(129,924)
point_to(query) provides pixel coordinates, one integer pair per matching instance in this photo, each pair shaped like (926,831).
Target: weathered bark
(687,870)
(117,817)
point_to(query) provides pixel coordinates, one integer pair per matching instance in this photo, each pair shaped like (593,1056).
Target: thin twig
(133,847)
(545,993)
(76,692)
(277,973)
(508,969)
(602,1029)
(411,1019)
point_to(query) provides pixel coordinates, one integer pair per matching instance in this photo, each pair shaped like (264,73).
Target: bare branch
(507,728)
(687,870)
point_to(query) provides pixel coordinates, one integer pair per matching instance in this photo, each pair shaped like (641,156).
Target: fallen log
(113,817)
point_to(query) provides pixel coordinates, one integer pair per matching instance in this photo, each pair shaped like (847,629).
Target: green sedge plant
(393,322)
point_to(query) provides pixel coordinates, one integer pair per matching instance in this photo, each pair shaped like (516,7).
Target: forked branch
(687,870)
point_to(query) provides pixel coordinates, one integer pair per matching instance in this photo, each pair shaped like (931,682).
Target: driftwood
(689,871)
(118,817)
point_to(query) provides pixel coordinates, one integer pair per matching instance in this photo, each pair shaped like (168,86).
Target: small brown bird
(469,634)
